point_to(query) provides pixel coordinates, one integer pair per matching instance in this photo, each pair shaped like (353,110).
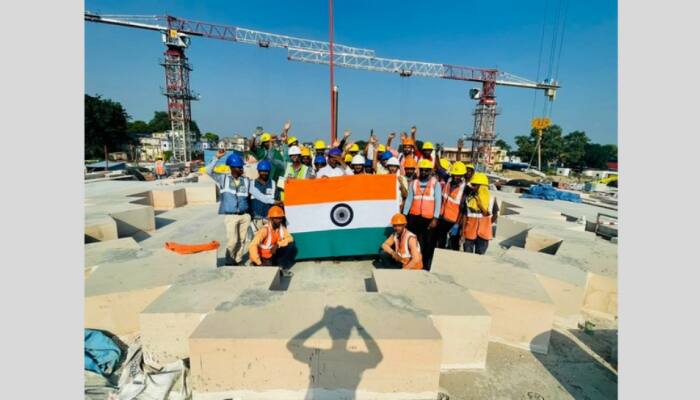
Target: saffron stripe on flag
(339,189)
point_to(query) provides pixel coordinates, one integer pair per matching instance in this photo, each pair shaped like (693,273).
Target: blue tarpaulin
(547,192)
(101,353)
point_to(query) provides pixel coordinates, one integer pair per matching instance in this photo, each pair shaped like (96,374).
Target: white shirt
(330,172)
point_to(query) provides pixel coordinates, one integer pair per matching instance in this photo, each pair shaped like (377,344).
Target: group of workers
(439,204)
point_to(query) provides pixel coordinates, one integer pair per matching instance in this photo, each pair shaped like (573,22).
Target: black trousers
(441,236)
(426,237)
(386,261)
(477,245)
(284,257)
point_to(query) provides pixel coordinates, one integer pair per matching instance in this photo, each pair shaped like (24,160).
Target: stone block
(116,293)
(201,194)
(302,345)
(461,320)
(351,276)
(167,322)
(168,198)
(540,241)
(110,251)
(600,296)
(100,229)
(510,232)
(134,220)
(564,283)
(521,310)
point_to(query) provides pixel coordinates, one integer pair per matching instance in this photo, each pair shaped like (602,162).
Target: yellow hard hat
(458,168)
(354,147)
(305,152)
(202,170)
(445,164)
(381,148)
(479,179)
(291,140)
(265,137)
(428,146)
(348,158)
(320,145)
(222,169)
(470,165)
(425,164)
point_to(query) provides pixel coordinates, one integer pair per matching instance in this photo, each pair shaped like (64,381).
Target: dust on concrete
(403,303)
(249,298)
(198,276)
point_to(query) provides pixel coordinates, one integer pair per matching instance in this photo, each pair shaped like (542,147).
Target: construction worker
(353,150)
(402,248)
(295,169)
(357,165)
(320,148)
(234,204)
(442,171)
(159,168)
(409,169)
(450,212)
(369,168)
(422,206)
(266,151)
(319,162)
(334,167)
(427,152)
(262,195)
(306,156)
(273,244)
(476,221)
(380,165)
(408,147)
(401,181)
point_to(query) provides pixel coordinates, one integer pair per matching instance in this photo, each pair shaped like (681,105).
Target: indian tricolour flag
(341,216)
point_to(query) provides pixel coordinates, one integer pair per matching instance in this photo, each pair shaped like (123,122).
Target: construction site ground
(580,362)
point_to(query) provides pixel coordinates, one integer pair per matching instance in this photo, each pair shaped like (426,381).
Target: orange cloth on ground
(191,248)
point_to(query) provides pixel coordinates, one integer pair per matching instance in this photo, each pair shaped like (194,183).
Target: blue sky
(243,86)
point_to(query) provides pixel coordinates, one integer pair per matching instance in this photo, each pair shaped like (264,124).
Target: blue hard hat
(335,152)
(385,156)
(234,161)
(368,163)
(264,165)
(319,160)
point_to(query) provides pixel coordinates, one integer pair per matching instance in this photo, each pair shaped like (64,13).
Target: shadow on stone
(602,341)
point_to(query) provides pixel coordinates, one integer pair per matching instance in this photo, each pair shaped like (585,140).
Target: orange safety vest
(160,168)
(479,225)
(423,200)
(273,237)
(450,202)
(401,248)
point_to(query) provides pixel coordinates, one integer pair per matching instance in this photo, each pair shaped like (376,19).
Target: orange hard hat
(409,162)
(408,141)
(398,219)
(275,212)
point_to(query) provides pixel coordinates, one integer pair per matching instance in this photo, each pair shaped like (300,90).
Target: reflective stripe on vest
(240,190)
(477,214)
(270,241)
(423,200)
(451,202)
(478,224)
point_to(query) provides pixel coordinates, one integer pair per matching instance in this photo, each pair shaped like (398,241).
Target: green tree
(211,137)
(105,124)
(552,145)
(574,148)
(503,144)
(138,127)
(598,155)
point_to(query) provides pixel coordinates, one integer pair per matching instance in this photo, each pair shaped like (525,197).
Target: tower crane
(176,33)
(485,113)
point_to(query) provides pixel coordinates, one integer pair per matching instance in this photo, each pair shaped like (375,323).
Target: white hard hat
(393,161)
(357,160)
(294,151)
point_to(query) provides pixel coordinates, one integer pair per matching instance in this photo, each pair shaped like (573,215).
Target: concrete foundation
(167,322)
(201,194)
(600,296)
(116,293)
(100,228)
(351,276)
(110,251)
(461,320)
(339,345)
(521,310)
(167,198)
(510,232)
(540,241)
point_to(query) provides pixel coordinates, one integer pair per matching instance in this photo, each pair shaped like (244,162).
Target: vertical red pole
(330,41)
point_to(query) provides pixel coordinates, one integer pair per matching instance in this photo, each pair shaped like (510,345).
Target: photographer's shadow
(335,372)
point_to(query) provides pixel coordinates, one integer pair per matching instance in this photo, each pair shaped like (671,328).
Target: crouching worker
(273,244)
(401,249)
(476,218)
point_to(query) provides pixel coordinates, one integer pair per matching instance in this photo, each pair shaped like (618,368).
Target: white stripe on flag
(317,217)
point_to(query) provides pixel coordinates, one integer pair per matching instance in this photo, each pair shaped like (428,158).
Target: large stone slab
(510,232)
(110,251)
(600,296)
(564,283)
(201,193)
(167,198)
(302,345)
(522,312)
(350,276)
(116,293)
(167,323)
(539,240)
(100,228)
(462,321)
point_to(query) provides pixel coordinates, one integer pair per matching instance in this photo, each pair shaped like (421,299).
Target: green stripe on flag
(340,242)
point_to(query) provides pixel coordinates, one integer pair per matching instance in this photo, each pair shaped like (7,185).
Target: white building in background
(154,146)
(235,142)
